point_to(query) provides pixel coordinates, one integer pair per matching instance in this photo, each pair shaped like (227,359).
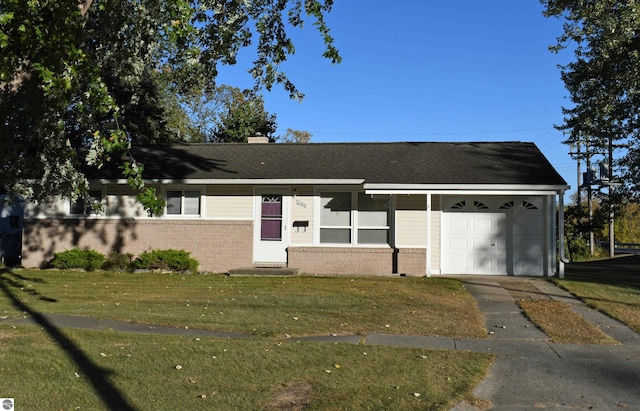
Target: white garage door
(493,235)
(474,243)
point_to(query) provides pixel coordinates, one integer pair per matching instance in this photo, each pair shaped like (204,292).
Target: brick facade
(412,261)
(218,245)
(341,260)
(357,260)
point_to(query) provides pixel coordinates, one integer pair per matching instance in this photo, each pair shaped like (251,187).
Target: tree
(244,116)
(296,136)
(90,74)
(604,80)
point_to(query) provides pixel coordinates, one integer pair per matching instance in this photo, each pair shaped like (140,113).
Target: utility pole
(612,241)
(578,157)
(588,182)
(579,172)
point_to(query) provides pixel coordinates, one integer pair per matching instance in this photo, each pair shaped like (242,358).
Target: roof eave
(242,181)
(488,189)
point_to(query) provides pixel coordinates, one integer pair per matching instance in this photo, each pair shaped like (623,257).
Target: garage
(493,235)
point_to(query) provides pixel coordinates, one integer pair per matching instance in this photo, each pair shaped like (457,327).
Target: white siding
(229,202)
(302,210)
(411,221)
(121,201)
(56,207)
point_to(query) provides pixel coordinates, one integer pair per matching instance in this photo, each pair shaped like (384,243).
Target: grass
(556,319)
(142,372)
(611,286)
(271,306)
(563,325)
(48,368)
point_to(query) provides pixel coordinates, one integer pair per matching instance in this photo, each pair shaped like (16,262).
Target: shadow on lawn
(111,397)
(623,271)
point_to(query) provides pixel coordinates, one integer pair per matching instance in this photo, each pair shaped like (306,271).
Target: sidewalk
(529,373)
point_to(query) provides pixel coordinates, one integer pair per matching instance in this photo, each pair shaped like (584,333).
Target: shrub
(89,260)
(173,260)
(118,262)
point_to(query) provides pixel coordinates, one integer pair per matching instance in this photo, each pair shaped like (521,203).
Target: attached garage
(498,235)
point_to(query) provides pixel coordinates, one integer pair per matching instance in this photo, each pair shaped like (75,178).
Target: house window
(346,218)
(89,206)
(183,202)
(335,218)
(373,219)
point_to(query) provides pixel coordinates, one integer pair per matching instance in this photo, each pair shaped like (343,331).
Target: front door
(270,232)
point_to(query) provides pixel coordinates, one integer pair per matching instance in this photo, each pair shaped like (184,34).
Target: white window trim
(182,189)
(354,227)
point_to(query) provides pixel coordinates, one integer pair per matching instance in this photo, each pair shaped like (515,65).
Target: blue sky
(424,70)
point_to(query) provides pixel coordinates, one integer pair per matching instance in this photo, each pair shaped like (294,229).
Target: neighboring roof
(510,163)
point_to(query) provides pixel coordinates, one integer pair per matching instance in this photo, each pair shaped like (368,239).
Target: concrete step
(264,271)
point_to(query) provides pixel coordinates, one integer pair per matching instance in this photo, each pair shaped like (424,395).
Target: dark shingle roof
(377,163)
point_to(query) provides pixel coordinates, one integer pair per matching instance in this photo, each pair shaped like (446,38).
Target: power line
(399,134)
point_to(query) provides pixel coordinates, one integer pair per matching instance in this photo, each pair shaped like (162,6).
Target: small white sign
(7,404)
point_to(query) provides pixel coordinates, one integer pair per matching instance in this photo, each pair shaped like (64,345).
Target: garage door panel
(482,225)
(474,243)
(456,224)
(457,265)
(489,265)
(457,245)
(493,246)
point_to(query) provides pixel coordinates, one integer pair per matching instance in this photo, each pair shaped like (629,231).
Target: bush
(89,260)
(118,262)
(172,260)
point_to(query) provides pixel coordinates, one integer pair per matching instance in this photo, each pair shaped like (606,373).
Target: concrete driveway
(532,373)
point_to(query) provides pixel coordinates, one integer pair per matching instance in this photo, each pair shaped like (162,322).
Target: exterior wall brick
(412,261)
(341,260)
(218,245)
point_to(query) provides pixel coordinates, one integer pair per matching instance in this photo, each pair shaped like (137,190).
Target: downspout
(563,258)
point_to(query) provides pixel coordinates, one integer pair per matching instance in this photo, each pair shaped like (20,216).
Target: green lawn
(611,286)
(90,370)
(45,368)
(260,305)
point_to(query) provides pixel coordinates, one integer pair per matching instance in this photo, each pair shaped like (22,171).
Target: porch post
(563,259)
(429,237)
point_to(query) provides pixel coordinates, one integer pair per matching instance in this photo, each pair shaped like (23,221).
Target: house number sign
(301,204)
